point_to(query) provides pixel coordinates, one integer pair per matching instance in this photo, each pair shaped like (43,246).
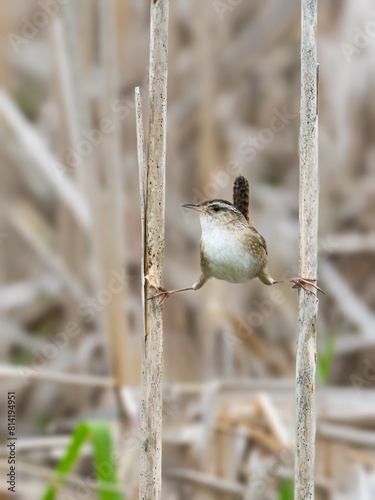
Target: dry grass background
(69,234)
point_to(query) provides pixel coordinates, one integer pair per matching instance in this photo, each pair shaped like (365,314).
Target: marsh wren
(231,249)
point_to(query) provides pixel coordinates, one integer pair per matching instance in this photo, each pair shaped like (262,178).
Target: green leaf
(325,360)
(105,467)
(286,491)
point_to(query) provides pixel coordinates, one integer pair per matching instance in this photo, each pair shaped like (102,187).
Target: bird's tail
(241,195)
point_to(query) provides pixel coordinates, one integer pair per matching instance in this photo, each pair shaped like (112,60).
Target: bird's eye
(216,208)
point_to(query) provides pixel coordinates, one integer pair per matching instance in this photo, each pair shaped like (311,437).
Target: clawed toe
(163,293)
(299,284)
(302,282)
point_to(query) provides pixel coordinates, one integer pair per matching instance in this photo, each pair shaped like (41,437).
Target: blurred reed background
(70,243)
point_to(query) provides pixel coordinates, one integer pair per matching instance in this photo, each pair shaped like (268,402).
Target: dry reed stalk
(208,484)
(308,215)
(38,471)
(44,163)
(111,230)
(152,355)
(28,223)
(24,374)
(142,188)
(71,240)
(77,117)
(106,203)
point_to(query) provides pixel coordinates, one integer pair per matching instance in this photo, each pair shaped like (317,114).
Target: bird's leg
(165,294)
(301,283)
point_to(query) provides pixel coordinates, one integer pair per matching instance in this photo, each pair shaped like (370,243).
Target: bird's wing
(204,258)
(241,195)
(263,243)
(252,239)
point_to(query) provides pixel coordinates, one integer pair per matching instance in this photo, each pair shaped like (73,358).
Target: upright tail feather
(241,192)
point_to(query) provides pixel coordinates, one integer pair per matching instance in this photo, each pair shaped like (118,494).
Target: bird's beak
(193,206)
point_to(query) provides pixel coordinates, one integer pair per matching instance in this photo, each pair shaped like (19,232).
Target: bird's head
(217,212)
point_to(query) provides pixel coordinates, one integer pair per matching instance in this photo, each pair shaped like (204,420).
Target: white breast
(226,257)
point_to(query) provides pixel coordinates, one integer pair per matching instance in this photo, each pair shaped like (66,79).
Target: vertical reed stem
(152,356)
(308,214)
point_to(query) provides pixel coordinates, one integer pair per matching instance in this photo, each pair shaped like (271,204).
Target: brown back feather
(241,195)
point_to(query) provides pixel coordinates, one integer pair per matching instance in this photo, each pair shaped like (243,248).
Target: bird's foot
(164,294)
(304,283)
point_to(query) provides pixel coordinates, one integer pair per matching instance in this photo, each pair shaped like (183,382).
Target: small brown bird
(231,248)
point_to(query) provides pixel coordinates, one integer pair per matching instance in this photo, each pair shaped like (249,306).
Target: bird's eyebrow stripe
(223,202)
